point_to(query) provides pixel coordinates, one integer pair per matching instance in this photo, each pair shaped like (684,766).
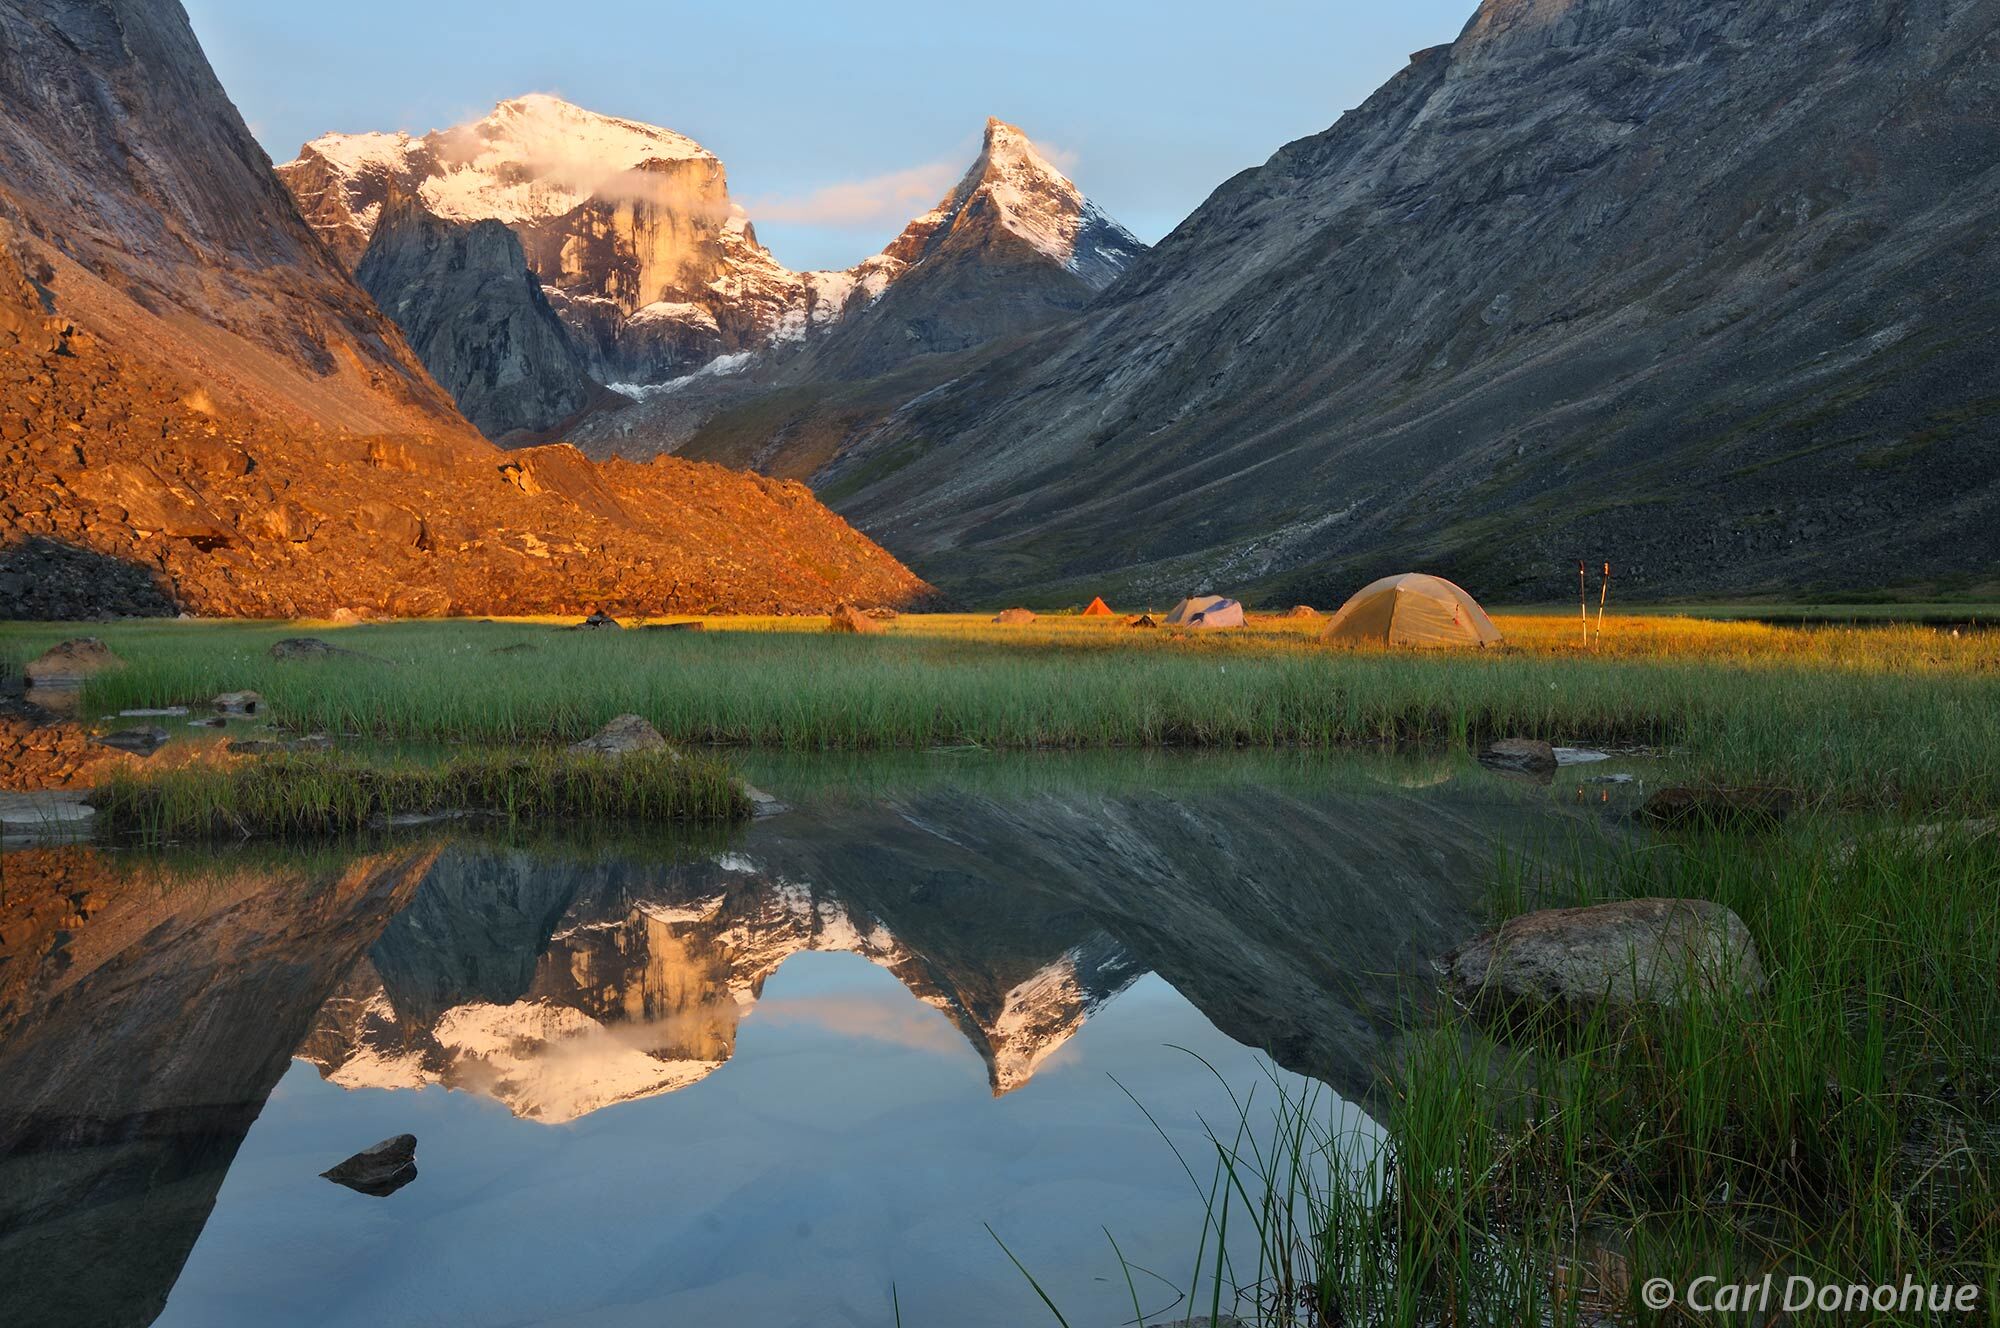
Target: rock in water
(70,663)
(477,318)
(139,741)
(381,1170)
(239,703)
(1528,755)
(1622,954)
(627,733)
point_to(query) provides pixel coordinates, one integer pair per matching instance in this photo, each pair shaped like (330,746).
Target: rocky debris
(598,622)
(1014,617)
(69,663)
(1718,808)
(847,618)
(380,1170)
(142,741)
(1523,755)
(239,703)
(1616,955)
(626,733)
(476,317)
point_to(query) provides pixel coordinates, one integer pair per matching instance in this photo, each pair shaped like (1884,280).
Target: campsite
(898,665)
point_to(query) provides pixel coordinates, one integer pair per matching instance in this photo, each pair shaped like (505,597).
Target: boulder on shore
(70,663)
(599,621)
(380,1170)
(626,733)
(847,618)
(1618,955)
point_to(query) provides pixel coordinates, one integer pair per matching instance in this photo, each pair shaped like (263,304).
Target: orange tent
(1097,608)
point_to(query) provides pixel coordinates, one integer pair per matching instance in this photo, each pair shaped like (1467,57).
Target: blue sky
(1147,106)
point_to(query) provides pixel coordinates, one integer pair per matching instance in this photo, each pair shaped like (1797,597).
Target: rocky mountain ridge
(1700,289)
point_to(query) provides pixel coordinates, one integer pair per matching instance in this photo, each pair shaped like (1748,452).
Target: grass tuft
(313,795)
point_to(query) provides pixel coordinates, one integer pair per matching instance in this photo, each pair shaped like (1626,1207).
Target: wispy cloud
(891,198)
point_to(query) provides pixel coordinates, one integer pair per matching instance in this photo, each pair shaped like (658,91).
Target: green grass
(1843,1125)
(309,796)
(1895,717)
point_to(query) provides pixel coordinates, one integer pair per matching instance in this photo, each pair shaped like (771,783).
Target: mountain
(500,350)
(561,991)
(652,266)
(1702,289)
(658,274)
(1013,248)
(200,410)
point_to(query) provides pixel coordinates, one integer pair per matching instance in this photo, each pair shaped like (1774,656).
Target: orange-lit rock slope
(199,410)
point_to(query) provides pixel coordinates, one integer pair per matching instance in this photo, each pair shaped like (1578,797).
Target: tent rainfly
(1097,608)
(1206,611)
(1412,609)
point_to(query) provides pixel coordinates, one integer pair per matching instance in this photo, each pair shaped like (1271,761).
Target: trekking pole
(1583,603)
(1603,594)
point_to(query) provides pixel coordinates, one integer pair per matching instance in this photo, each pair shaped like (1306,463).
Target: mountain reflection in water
(788,1144)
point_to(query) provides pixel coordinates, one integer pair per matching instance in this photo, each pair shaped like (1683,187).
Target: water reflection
(722,1083)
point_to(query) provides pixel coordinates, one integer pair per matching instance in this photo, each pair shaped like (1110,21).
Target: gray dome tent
(1206,611)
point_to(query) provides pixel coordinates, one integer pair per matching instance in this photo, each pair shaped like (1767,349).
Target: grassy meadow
(1873,716)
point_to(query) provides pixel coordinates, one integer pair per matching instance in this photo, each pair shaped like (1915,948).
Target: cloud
(891,198)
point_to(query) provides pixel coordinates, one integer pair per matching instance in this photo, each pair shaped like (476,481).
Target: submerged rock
(1622,954)
(626,733)
(1528,755)
(139,741)
(1718,808)
(317,742)
(379,1171)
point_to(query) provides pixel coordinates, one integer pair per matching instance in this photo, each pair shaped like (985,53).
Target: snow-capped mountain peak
(1013,185)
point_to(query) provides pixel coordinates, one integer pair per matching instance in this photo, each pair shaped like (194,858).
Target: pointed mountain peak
(1014,186)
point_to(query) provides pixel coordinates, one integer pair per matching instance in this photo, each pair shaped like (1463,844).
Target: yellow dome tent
(1412,609)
